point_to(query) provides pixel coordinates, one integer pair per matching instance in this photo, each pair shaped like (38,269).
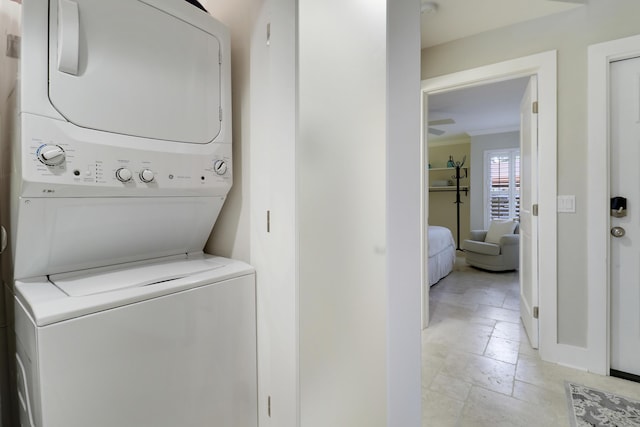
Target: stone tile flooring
(478,368)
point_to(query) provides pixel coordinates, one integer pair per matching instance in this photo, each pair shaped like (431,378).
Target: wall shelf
(441,189)
(465,169)
(442,169)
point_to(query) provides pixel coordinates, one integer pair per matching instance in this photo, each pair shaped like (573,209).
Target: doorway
(487,129)
(544,67)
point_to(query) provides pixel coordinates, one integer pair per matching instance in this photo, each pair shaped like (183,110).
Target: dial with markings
(50,155)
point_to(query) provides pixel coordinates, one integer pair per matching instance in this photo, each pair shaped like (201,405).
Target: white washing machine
(122,162)
(163,344)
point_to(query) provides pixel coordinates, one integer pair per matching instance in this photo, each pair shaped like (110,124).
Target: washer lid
(147,68)
(47,303)
(108,279)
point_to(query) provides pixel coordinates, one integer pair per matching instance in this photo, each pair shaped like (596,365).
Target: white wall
(335,181)
(230,236)
(570,33)
(358,178)
(264,138)
(480,144)
(404,228)
(9,24)
(273,188)
(342,212)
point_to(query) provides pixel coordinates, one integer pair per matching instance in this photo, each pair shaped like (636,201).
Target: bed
(442,253)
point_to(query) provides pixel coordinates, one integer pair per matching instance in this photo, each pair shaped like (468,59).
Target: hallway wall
(570,33)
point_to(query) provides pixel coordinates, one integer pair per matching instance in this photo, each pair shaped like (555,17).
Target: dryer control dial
(220,167)
(50,155)
(124,175)
(146,175)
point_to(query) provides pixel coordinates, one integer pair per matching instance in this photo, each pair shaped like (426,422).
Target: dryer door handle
(68,37)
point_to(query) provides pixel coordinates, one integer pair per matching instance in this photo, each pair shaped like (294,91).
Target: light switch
(567,204)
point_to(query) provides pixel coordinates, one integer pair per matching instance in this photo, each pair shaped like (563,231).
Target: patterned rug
(592,407)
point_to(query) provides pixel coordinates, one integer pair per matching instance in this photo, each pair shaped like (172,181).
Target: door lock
(619,207)
(617,231)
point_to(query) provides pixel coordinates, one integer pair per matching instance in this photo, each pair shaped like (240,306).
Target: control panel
(58,165)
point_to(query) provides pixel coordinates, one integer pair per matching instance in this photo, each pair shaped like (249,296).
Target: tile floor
(478,367)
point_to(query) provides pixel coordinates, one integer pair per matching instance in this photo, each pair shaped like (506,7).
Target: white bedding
(442,253)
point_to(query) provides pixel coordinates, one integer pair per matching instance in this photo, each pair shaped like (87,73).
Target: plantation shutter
(504,184)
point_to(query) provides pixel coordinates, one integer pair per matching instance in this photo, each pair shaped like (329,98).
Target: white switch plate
(567,204)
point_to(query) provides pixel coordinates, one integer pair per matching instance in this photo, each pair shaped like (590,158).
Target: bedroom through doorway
(473,172)
(441,117)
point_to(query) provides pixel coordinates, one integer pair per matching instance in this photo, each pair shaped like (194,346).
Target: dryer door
(144,68)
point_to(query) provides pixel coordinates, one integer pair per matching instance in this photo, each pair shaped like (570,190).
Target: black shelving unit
(458,202)
(458,167)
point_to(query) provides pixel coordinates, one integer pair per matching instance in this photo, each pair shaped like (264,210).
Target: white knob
(124,175)
(50,155)
(220,167)
(146,175)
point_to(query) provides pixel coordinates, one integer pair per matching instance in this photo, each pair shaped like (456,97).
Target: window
(502,185)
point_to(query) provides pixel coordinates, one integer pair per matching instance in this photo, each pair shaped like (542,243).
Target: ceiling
(491,108)
(479,110)
(455,19)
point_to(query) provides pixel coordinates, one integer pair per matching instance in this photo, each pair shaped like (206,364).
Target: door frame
(544,65)
(600,57)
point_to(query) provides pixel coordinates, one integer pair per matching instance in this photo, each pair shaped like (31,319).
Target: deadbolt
(617,231)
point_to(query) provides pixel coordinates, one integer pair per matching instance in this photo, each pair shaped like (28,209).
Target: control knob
(50,155)
(124,175)
(220,167)
(146,175)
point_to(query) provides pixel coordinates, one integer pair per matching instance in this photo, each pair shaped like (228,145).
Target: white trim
(544,66)
(572,356)
(424,209)
(493,131)
(600,56)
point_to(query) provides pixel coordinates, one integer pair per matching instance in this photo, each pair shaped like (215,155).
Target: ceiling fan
(438,132)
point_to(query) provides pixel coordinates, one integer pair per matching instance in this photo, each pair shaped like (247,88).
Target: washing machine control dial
(146,175)
(220,167)
(124,175)
(50,155)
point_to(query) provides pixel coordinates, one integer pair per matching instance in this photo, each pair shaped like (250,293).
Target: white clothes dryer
(122,141)
(164,344)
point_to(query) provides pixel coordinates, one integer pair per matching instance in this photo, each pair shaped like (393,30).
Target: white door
(625,250)
(134,68)
(528,219)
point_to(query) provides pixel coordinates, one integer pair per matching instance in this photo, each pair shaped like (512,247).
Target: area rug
(592,407)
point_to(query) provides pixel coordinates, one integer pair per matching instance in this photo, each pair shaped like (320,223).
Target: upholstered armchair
(496,249)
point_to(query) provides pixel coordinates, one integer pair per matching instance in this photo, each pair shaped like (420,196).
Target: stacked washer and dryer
(121,164)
